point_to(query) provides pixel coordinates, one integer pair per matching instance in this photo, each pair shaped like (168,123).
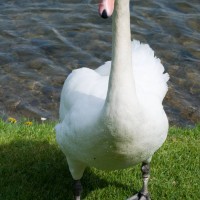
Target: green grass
(33,167)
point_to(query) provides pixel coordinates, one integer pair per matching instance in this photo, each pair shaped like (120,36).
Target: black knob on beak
(104,14)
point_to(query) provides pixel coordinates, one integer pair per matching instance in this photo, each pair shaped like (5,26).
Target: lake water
(42,41)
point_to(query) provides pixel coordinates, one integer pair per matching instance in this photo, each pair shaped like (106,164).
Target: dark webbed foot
(77,189)
(140,196)
(143,194)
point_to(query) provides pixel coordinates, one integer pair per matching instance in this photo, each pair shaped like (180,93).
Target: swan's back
(85,89)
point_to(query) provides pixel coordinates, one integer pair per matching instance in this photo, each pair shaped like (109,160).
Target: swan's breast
(117,145)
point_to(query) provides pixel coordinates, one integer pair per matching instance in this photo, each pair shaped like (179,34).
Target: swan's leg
(143,194)
(77,189)
(76,168)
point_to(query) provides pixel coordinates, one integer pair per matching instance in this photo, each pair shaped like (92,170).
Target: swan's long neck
(121,88)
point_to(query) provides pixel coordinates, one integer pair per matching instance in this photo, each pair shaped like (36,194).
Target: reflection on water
(40,43)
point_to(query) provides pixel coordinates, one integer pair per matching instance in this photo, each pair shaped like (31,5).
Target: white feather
(82,133)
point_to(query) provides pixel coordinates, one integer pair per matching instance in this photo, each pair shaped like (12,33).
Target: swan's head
(106,8)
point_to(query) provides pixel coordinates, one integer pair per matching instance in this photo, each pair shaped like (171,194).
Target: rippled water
(40,43)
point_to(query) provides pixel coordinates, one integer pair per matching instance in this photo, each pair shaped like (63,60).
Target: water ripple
(41,42)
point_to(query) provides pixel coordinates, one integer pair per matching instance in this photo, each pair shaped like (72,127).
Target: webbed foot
(140,196)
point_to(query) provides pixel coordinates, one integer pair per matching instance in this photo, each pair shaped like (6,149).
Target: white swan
(112,117)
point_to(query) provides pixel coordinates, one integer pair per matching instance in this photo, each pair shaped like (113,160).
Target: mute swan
(112,117)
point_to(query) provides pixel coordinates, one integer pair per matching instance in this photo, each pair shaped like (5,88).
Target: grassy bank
(33,167)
